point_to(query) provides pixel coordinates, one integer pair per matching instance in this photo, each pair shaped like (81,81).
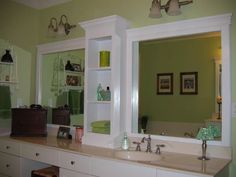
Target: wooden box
(61,116)
(29,122)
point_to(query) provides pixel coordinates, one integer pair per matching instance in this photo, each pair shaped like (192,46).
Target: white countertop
(172,161)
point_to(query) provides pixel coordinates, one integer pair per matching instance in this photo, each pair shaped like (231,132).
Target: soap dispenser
(125,142)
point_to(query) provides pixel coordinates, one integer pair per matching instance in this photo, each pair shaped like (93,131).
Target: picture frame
(165,83)
(63,133)
(189,83)
(76,67)
(72,80)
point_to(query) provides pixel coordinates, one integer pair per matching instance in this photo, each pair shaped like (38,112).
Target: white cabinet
(103,34)
(9,147)
(40,154)
(69,173)
(110,168)
(9,165)
(166,173)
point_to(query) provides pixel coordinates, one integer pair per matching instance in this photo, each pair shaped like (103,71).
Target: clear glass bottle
(125,142)
(108,94)
(99,89)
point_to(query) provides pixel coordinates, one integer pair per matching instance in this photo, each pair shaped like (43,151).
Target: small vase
(7,57)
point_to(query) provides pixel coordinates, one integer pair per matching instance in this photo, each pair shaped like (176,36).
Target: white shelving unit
(108,34)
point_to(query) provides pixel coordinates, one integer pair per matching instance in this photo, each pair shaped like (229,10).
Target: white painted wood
(43,49)
(74,162)
(9,165)
(166,173)
(68,173)
(110,168)
(107,33)
(220,23)
(9,147)
(40,154)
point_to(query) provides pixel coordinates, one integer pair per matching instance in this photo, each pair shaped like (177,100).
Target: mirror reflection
(63,87)
(179,84)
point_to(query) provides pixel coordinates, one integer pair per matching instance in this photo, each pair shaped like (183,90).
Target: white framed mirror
(55,83)
(218,27)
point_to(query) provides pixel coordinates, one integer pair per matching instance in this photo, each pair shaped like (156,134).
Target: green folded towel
(101,130)
(101,123)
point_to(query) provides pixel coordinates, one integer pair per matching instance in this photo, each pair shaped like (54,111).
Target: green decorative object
(206,134)
(104,58)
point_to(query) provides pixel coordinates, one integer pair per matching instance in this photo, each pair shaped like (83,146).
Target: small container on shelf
(104,58)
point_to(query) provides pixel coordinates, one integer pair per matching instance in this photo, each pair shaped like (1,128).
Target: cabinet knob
(7,147)
(37,154)
(72,162)
(7,165)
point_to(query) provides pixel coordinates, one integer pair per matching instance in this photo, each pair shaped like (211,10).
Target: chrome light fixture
(63,28)
(172,7)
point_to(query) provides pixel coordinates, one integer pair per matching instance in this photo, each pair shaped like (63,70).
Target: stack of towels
(101,126)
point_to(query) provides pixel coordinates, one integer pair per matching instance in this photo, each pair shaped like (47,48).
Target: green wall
(26,27)
(175,56)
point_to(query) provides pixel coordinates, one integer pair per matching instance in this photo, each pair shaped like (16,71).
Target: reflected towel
(5,102)
(101,124)
(74,101)
(101,130)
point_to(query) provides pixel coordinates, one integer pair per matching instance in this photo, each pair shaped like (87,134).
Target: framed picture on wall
(165,83)
(189,83)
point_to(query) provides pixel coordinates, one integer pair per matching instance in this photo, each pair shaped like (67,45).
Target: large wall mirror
(179,79)
(60,81)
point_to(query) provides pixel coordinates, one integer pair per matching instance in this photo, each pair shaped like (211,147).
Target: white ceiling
(41,4)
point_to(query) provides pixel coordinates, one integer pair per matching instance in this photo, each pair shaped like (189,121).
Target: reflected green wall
(53,80)
(175,56)
(26,27)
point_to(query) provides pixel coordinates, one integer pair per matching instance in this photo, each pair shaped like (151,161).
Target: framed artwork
(189,83)
(72,80)
(63,133)
(165,83)
(76,67)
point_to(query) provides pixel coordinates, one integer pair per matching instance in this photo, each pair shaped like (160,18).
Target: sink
(137,156)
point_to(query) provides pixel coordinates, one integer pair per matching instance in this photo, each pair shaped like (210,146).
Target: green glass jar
(104,58)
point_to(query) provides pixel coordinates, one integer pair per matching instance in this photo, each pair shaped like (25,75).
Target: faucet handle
(158,150)
(138,145)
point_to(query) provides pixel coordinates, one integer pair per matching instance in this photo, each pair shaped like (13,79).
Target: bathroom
(33,32)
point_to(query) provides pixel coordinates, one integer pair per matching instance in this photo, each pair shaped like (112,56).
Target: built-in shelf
(100,69)
(99,102)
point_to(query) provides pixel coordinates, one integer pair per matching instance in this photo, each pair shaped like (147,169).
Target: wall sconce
(172,7)
(63,28)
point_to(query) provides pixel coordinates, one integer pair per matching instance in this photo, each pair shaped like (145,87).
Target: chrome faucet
(148,143)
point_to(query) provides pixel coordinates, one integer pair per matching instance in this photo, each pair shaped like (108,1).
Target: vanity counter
(170,161)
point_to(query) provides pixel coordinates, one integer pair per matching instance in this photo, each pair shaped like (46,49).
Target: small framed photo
(165,83)
(76,67)
(189,83)
(63,133)
(72,80)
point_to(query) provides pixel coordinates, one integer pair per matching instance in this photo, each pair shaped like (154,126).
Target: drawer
(75,162)
(10,147)
(39,153)
(9,165)
(68,173)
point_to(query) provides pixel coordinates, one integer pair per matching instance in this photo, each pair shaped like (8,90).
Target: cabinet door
(109,168)
(9,165)
(68,173)
(166,173)
(41,154)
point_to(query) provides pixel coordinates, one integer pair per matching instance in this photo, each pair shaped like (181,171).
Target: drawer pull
(36,154)
(72,162)
(7,165)
(7,147)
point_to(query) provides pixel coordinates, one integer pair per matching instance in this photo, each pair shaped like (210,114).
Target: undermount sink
(137,156)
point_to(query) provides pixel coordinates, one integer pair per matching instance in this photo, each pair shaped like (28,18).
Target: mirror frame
(48,48)
(220,23)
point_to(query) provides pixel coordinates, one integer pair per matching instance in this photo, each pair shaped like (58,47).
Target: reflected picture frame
(165,83)
(189,83)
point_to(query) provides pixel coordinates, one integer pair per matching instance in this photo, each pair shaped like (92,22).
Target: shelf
(6,63)
(100,69)
(99,102)
(9,82)
(74,72)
